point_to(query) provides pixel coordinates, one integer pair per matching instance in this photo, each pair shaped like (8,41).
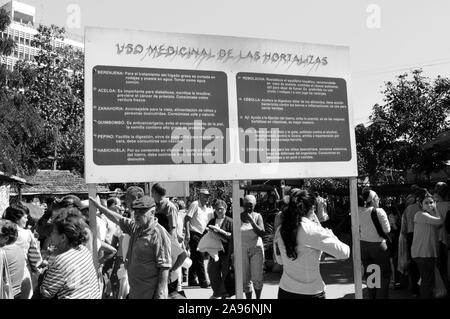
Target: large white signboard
(179,107)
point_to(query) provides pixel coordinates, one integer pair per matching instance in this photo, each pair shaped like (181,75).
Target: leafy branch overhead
(53,86)
(415,111)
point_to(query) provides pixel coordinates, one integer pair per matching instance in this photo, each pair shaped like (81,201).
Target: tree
(218,189)
(54,87)
(20,133)
(7,45)
(20,125)
(415,111)
(327,185)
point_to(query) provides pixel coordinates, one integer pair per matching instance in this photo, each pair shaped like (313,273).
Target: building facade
(22,29)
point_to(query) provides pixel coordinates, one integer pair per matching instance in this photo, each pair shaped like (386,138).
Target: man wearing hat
(132,193)
(149,254)
(197,217)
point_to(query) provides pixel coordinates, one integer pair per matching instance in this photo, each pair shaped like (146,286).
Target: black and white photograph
(246,151)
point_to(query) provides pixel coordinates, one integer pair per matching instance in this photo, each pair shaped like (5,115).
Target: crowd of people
(409,242)
(145,246)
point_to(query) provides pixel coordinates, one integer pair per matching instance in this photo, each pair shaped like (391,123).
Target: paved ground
(337,275)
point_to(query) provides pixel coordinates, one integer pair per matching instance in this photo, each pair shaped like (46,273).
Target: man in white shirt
(197,217)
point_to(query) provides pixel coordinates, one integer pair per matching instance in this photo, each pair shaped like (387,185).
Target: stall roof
(11,179)
(58,182)
(442,141)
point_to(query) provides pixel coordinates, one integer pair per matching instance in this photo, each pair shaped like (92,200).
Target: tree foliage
(327,185)
(415,111)
(218,189)
(54,87)
(20,124)
(42,106)
(20,133)
(7,45)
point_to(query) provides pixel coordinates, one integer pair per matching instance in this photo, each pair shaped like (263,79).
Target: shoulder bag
(380,231)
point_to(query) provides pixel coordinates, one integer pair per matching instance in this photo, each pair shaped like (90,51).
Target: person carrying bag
(380,231)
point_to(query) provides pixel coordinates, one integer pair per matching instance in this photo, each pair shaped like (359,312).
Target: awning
(440,142)
(11,179)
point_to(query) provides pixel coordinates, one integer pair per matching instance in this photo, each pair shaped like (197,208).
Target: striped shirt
(72,275)
(28,243)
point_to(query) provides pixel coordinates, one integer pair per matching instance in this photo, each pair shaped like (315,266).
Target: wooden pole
(356,252)
(92,189)
(186,190)
(19,192)
(237,242)
(55,160)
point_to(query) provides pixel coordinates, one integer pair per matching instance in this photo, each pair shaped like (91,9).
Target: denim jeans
(253,267)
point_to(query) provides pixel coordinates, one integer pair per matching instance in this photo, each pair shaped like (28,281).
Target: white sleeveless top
(249,237)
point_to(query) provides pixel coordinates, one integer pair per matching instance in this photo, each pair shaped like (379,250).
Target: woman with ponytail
(374,250)
(298,245)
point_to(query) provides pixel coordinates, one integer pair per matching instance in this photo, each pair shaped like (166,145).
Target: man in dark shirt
(166,211)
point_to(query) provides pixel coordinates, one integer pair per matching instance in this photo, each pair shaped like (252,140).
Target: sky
(386,37)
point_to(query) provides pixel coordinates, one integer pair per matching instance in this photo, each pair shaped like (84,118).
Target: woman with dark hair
(54,207)
(18,214)
(13,257)
(424,246)
(374,249)
(298,245)
(217,270)
(442,198)
(72,274)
